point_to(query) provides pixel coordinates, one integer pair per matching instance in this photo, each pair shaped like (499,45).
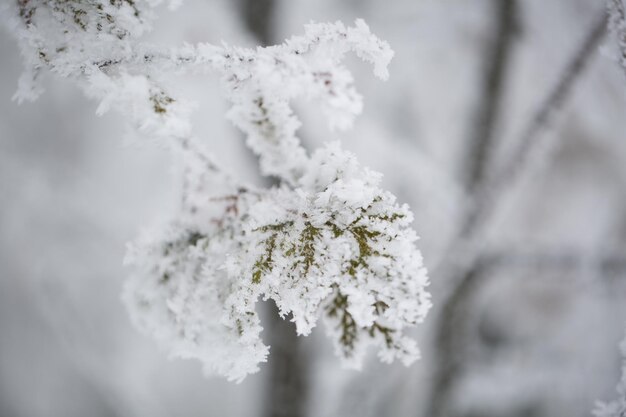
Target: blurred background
(525,91)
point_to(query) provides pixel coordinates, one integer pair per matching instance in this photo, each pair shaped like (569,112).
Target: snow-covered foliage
(616,408)
(336,246)
(326,243)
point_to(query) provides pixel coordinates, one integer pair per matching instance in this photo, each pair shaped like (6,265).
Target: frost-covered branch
(338,246)
(327,243)
(102,52)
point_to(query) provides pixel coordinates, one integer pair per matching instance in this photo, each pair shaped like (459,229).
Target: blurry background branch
(455,61)
(531,150)
(608,264)
(505,20)
(497,59)
(287,388)
(460,268)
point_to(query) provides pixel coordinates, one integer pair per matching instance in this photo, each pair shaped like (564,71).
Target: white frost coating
(616,408)
(327,244)
(171,298)
(261,83)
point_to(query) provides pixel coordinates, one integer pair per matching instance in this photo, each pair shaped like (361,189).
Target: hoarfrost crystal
(328,243)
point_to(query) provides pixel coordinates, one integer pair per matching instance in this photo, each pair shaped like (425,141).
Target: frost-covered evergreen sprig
(616,408)
(617,24)
(326,243)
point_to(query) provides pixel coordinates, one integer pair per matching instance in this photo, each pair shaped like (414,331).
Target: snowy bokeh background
(539,335)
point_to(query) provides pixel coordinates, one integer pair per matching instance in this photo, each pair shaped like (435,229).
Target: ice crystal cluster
(326,243)
(616,408)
